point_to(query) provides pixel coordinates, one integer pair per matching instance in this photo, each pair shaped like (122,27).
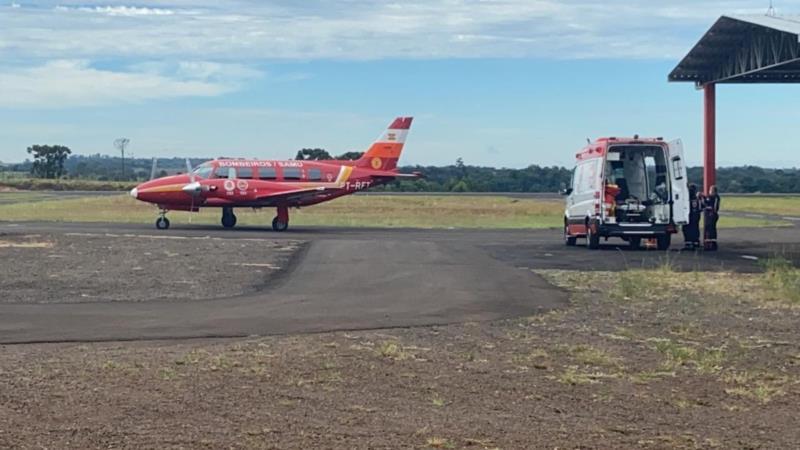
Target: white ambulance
(629,188)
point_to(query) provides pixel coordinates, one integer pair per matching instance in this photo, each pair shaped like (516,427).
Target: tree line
(58,162)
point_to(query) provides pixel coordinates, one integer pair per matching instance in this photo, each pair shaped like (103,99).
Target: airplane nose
(135,193)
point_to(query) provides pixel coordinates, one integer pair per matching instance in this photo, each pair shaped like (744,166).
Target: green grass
(364,211)
(749,222)
(779,206)
(40,184)
(783,279)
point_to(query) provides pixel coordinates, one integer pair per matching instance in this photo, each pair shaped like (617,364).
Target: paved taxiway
(350,278)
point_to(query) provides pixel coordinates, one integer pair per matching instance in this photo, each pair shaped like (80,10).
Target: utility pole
(120,144)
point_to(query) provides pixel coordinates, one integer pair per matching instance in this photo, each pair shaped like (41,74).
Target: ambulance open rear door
(680,183)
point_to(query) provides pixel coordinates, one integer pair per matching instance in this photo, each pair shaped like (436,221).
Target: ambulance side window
(677,168)
(573,181)
(578,179)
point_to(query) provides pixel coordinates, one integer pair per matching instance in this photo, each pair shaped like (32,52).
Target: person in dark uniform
(711,208)
(691,231)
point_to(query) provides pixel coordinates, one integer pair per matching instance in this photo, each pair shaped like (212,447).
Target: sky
(505,83)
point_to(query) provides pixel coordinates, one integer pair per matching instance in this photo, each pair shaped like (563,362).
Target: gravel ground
(639,360)
(70,268)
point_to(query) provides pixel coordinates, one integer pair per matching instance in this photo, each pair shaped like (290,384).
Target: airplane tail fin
(385,152)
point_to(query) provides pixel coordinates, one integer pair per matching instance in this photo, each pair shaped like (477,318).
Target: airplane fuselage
(235,183)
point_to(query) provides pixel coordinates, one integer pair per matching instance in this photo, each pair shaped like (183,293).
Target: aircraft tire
(279,226)
(162,223)
(229,220)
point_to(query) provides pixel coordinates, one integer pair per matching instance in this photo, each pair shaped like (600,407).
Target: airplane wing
(291,195)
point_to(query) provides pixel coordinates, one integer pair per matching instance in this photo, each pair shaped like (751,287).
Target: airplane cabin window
(291,173)
(245,173)
(266,173)
(314,174)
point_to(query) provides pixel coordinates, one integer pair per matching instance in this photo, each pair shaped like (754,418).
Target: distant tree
(460,186)
(48,160)
(313,154)
(350,156)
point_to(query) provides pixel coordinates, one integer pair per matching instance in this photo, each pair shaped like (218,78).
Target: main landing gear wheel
(279,225)
(162,223)
(228,218)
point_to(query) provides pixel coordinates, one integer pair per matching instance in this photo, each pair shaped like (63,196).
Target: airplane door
(680,183)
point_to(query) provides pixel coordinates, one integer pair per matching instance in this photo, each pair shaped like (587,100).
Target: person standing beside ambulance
(711,208)
(691,231)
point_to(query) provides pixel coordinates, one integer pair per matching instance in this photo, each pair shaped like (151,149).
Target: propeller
(153,169)
(193,188)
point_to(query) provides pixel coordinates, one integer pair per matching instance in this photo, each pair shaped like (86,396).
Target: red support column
(710,137)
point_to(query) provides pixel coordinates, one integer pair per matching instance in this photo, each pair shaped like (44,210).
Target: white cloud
(118,10)
(360,29)
(70,83)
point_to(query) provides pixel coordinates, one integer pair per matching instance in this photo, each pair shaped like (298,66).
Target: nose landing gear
(162,223)
(228,218)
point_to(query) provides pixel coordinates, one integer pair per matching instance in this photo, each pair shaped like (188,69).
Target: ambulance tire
(663,242)
(592,239)
(569,240)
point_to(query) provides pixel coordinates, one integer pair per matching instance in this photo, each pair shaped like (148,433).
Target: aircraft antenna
(120,144)
(771,10)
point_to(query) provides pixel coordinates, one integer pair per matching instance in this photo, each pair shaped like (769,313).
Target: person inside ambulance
(691,231)
(711,209)
(660,194)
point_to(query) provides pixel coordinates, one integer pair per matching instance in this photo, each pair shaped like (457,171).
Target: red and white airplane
(239,183)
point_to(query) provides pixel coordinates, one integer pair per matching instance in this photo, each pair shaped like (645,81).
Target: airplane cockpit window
(221,172)
(203,171)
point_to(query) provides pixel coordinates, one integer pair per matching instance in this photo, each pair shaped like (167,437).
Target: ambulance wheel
(569,240)
(635,242)
(279,225)
(592,239)
(663,242)
(229,220)
(162,223)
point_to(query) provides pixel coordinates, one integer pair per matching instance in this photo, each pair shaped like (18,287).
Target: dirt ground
(641,359)
(43,268)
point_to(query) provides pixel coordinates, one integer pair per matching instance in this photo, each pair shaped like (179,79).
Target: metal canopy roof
(744,49)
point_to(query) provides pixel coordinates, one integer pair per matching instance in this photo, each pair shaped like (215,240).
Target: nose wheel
(228,218)
(162,223)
